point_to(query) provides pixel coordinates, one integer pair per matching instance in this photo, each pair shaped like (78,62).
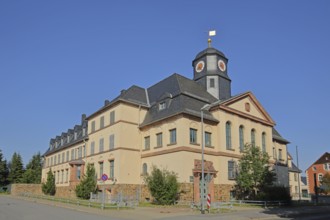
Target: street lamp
(205,107)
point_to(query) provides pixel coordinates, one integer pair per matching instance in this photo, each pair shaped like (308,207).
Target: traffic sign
(104,177)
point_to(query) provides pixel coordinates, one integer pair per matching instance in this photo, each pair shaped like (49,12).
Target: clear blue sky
(60,59)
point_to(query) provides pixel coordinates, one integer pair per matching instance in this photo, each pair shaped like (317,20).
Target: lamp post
(203,146)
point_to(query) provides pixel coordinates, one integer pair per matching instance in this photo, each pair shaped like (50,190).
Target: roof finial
(211,34)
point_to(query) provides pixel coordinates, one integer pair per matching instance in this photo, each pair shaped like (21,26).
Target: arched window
(144,169)
(228,135)
(241,138)
(253,137)
(263,141)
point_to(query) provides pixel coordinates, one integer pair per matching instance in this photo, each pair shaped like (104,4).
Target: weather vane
(211,34)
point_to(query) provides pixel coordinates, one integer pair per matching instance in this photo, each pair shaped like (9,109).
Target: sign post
(208,201)
(104,178)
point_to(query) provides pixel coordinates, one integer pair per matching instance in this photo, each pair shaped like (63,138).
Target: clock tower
(210,70)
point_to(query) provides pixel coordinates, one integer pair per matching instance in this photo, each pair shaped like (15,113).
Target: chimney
(83,118)
(106,102)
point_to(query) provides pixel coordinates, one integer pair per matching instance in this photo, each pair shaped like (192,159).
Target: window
(62,141)
(228,135)
(231,170)
(102,122)
(75,135)
(159,137)
(80,152)
(84,132)
(253,137)
(112,117)
(112,169)
(78,172)
(72,154)
(212,84)
(314,168)
(144,169)
(241,138)
(92,147)
(67,156)
(173,136)
(93,126)
(112,141)
(147,143)
(295,177)
(326,166)
(66,175)
(193,136)
(51,161)
(162,106)
(280,154)
(101,145)
(68,138)
(63,156)
(208,139)
(320,176)
(58,177)
(62,176)
(84,151)
(263,141)
(101,170)
(59,158)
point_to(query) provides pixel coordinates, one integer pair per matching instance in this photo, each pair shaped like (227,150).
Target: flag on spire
(212,33)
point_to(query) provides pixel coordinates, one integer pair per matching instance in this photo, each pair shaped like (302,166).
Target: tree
(33,170)
(163,186)
(87,184)
(3,171)
(16,169)
(49,188)
(253,172)
(325,184)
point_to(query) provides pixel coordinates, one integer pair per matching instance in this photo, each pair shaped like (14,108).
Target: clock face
(199,66)
(222,65)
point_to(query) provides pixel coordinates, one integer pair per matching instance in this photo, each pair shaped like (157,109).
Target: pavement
(186,213)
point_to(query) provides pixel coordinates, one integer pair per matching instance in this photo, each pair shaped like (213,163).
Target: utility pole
(299,176)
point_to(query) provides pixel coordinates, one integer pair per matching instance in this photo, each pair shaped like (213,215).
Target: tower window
(212,84)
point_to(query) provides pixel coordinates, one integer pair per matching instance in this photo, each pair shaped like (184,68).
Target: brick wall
(133,191)
(17,189)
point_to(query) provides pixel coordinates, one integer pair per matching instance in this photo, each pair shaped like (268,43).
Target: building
(162,126)
(294,179)
(316,171)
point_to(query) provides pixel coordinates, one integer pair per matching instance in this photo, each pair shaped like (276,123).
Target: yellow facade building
(162,125)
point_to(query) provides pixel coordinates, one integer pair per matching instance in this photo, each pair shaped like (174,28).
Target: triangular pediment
(247,105)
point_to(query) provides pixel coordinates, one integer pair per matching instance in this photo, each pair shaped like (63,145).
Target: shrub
(163,186)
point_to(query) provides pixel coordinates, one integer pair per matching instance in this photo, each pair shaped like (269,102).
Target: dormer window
(62,141)
(75,135)
(162,106)
(68,139)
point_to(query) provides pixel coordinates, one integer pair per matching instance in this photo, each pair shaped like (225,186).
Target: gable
(246,105)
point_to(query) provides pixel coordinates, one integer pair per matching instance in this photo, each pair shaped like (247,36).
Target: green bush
(274,193)
(163,186)
(88,184)
(49,187)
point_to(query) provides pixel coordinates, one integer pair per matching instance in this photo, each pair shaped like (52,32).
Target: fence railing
(88,203)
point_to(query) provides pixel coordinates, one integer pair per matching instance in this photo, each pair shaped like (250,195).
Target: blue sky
(60,59)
